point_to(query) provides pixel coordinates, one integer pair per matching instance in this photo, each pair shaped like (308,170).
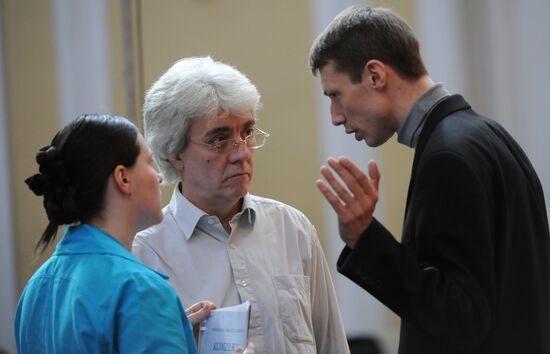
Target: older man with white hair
(219,242)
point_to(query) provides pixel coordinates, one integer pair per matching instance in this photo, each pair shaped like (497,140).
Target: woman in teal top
(93,295)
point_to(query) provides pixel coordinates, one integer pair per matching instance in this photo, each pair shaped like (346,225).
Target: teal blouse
(94,296)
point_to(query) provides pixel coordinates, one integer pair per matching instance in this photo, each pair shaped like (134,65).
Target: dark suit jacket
(472,272)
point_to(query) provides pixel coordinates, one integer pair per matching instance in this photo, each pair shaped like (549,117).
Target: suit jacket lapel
(442,109)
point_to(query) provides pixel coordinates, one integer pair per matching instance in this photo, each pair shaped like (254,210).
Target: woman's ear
(122,180)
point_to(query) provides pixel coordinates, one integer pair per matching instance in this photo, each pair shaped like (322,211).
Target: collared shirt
(94,296)
(272,258)
(410,131)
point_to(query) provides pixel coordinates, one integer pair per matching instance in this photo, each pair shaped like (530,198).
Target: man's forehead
(332,79)
(329,66)
(328,73)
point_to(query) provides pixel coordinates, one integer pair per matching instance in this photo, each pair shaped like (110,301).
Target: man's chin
(239,191)
(358,136)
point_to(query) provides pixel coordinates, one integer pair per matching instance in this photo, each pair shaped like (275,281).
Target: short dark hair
(75,167)
(360,34)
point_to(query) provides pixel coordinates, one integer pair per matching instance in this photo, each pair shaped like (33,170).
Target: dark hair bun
(74,169)
(46,156)
(54,184)
(36,183)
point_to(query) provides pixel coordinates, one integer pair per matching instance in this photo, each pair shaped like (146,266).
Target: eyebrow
(225,129)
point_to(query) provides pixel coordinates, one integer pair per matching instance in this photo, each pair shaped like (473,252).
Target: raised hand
(355,202)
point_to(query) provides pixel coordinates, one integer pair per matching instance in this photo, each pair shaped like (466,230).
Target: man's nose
(336,115)
(239,151)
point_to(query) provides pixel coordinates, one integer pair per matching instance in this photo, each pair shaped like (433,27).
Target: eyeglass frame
(216,147)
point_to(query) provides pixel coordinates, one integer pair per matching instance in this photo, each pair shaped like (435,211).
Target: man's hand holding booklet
(225,330)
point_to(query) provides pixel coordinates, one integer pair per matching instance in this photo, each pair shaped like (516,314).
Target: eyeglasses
(252,141)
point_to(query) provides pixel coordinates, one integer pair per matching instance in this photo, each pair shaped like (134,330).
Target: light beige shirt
(272,258)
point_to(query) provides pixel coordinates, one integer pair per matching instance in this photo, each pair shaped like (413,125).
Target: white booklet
(225,330)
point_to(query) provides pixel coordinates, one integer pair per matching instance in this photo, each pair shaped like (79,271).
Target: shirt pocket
(293,296)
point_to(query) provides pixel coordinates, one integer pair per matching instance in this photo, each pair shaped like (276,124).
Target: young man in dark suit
(472,272)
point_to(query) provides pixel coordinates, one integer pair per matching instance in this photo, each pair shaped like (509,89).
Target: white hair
(193,88)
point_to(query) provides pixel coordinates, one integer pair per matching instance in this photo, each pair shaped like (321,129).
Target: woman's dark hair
(75,167)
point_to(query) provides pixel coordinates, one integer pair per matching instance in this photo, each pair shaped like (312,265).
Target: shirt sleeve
(328,328)
(151,319)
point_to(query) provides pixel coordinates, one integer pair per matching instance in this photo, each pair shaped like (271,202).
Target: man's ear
(122,179)
(374,74)
(177,162)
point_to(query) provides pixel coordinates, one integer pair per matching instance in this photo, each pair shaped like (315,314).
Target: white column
(520,29)
(83,57)
(84,87)
(496,54)
(362,314)
(441,35)
(8,288)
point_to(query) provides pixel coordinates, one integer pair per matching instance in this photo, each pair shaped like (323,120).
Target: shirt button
(232,245)
(211,221)
(244,283)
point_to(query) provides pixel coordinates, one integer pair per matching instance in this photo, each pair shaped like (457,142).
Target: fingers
(354,173)
(200,306)
(354,200)
(351,175)
(354,178)
(193,308)
(374,173)
(199,311)
(330,197)
(336,186)
(250,349)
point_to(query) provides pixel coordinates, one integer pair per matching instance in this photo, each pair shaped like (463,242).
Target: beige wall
(32,113)
(271,50)
(267,40)
(33,109)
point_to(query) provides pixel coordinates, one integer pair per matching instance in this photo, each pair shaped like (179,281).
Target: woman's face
(145,192)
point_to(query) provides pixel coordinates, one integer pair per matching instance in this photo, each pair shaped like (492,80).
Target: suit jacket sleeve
(439,278)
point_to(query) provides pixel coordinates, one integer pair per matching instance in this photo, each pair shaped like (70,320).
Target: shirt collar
(85,238)
(187,215)
(414,122)
(248,212)
(88,239)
